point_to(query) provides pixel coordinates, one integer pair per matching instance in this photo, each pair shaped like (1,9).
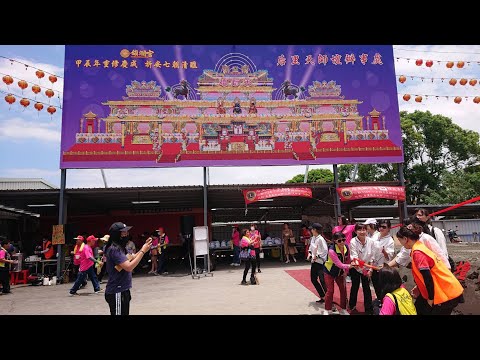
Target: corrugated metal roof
(24,184)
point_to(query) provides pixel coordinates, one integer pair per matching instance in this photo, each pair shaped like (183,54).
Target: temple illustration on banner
(233,113)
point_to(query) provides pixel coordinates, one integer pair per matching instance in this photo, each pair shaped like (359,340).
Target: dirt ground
(461,252)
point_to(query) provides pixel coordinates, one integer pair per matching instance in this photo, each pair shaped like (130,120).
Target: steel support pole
(206,261)
(402,183)
(338,207)
(61,220)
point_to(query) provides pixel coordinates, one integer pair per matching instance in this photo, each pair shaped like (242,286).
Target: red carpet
(303,277)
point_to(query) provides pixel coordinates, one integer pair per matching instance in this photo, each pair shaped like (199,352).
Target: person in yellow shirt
(394,298)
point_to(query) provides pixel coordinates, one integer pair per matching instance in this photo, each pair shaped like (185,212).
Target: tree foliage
(314,176)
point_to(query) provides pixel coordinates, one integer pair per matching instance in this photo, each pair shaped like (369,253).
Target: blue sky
(30,140)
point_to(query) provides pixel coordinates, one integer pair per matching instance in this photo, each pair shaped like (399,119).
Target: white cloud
(17,128)
(20,129)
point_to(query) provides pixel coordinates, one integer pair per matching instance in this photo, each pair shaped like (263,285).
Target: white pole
(104,178)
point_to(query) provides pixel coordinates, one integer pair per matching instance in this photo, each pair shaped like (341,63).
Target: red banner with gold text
(262,194)
(378,192)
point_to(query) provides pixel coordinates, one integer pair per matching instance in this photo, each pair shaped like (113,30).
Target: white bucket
(54,280)
(45,281)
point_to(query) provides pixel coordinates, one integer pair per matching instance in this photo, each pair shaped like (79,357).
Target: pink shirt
(85,255)
(236,238)
(255,237)
(333,255)
(348,231)
(3,254)
(246,243)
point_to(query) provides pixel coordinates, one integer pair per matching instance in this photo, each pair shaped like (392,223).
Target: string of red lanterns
(456,99)
(448,63)
(25,102)
(8,80)
(453,81)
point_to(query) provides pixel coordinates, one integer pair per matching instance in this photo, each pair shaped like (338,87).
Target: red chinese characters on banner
(366,192)
(262,194)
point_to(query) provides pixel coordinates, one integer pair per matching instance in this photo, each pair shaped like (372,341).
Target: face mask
(252,228)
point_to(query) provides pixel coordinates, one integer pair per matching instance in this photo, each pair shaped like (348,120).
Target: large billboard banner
(131,106)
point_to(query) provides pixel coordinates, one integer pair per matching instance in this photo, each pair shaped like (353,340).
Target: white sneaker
(99,291)
(327,312)
(343,312)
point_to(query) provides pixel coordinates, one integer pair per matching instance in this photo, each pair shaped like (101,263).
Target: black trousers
(316,272)
(445,308)
(162,262)
(247,267)
(5,280)
(367,294)
(376,284)
(257,257)
(119,303)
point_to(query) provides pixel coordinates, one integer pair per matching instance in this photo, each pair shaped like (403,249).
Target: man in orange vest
(48,251)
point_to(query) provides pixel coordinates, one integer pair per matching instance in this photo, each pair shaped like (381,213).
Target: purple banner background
(86,88)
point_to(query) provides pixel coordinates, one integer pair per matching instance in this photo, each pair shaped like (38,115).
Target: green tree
(456,187)
(314,176)
(433,146)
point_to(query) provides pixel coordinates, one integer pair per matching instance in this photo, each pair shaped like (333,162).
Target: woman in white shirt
(362,248)
(384,252)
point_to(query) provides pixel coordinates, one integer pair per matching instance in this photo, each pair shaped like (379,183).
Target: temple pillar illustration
(123,134)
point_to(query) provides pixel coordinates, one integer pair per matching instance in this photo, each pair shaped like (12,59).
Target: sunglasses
(340,240)
(383,226)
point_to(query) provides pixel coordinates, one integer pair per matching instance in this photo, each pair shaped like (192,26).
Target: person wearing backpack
(395,298)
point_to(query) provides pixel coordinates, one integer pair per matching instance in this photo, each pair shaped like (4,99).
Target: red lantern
(22,84)
(406,97)
(24,102)
(10,99)
(49,93)
(36,89)
(449,64)
(52,78)
(40,74)
(38,106)
(476,99)
(460,64)
(418,99)
(429,63)
(463,81)
(419,62)
(457,99)
(7,79)
(473,82)
(51,110)
(453,82)
(402,79)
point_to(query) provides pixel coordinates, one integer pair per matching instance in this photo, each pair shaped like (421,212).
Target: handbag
(244,254)
(291,241)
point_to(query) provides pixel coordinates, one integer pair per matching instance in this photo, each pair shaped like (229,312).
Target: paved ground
(221,294)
